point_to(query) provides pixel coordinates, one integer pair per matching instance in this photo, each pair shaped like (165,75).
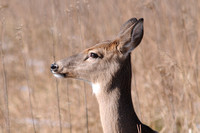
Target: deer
(107,67)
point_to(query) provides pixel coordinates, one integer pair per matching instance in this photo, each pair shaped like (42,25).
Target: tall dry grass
(166,79)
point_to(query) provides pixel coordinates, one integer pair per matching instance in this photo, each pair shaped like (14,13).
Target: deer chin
(59,75)
(63,75)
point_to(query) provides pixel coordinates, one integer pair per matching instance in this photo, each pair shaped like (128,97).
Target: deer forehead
(106,46)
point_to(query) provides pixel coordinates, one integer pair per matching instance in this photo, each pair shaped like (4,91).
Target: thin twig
(83,44)
(86,109)
(196,69)
(69,109)
(68,95)
(137,95)
(5,90)
(139,129)
(25,57)
(57,90)
(171,96)
(29,93)
(58,105)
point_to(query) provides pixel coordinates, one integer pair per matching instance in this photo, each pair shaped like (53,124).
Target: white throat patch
(96,88)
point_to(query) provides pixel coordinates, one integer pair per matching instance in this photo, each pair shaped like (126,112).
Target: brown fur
(112,72)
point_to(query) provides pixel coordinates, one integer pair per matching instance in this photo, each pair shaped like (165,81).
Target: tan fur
(110,74)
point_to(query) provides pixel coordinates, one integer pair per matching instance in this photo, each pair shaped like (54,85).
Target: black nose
(54,67)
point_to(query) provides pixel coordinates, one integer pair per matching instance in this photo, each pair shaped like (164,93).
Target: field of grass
(166,65)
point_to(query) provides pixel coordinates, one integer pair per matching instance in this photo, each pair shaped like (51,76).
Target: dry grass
(166,91)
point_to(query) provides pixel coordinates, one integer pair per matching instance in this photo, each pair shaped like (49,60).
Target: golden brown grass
(166,79)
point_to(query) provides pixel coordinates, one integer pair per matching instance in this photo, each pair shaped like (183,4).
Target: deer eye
(94,55)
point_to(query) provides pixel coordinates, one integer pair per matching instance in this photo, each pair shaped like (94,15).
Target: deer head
(107,66)
(100,62)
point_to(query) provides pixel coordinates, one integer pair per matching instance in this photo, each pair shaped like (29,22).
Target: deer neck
(115,103)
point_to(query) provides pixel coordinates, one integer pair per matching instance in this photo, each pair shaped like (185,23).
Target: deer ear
(131,38)
(127,25)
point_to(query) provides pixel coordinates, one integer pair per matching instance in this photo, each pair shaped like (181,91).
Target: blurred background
(165,83)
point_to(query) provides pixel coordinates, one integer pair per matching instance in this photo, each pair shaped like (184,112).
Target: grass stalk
(57,90)
(5,88)
(25,59)
(69,109)
(85,92)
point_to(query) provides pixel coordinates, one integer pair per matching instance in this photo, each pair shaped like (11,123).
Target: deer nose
(54,67)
